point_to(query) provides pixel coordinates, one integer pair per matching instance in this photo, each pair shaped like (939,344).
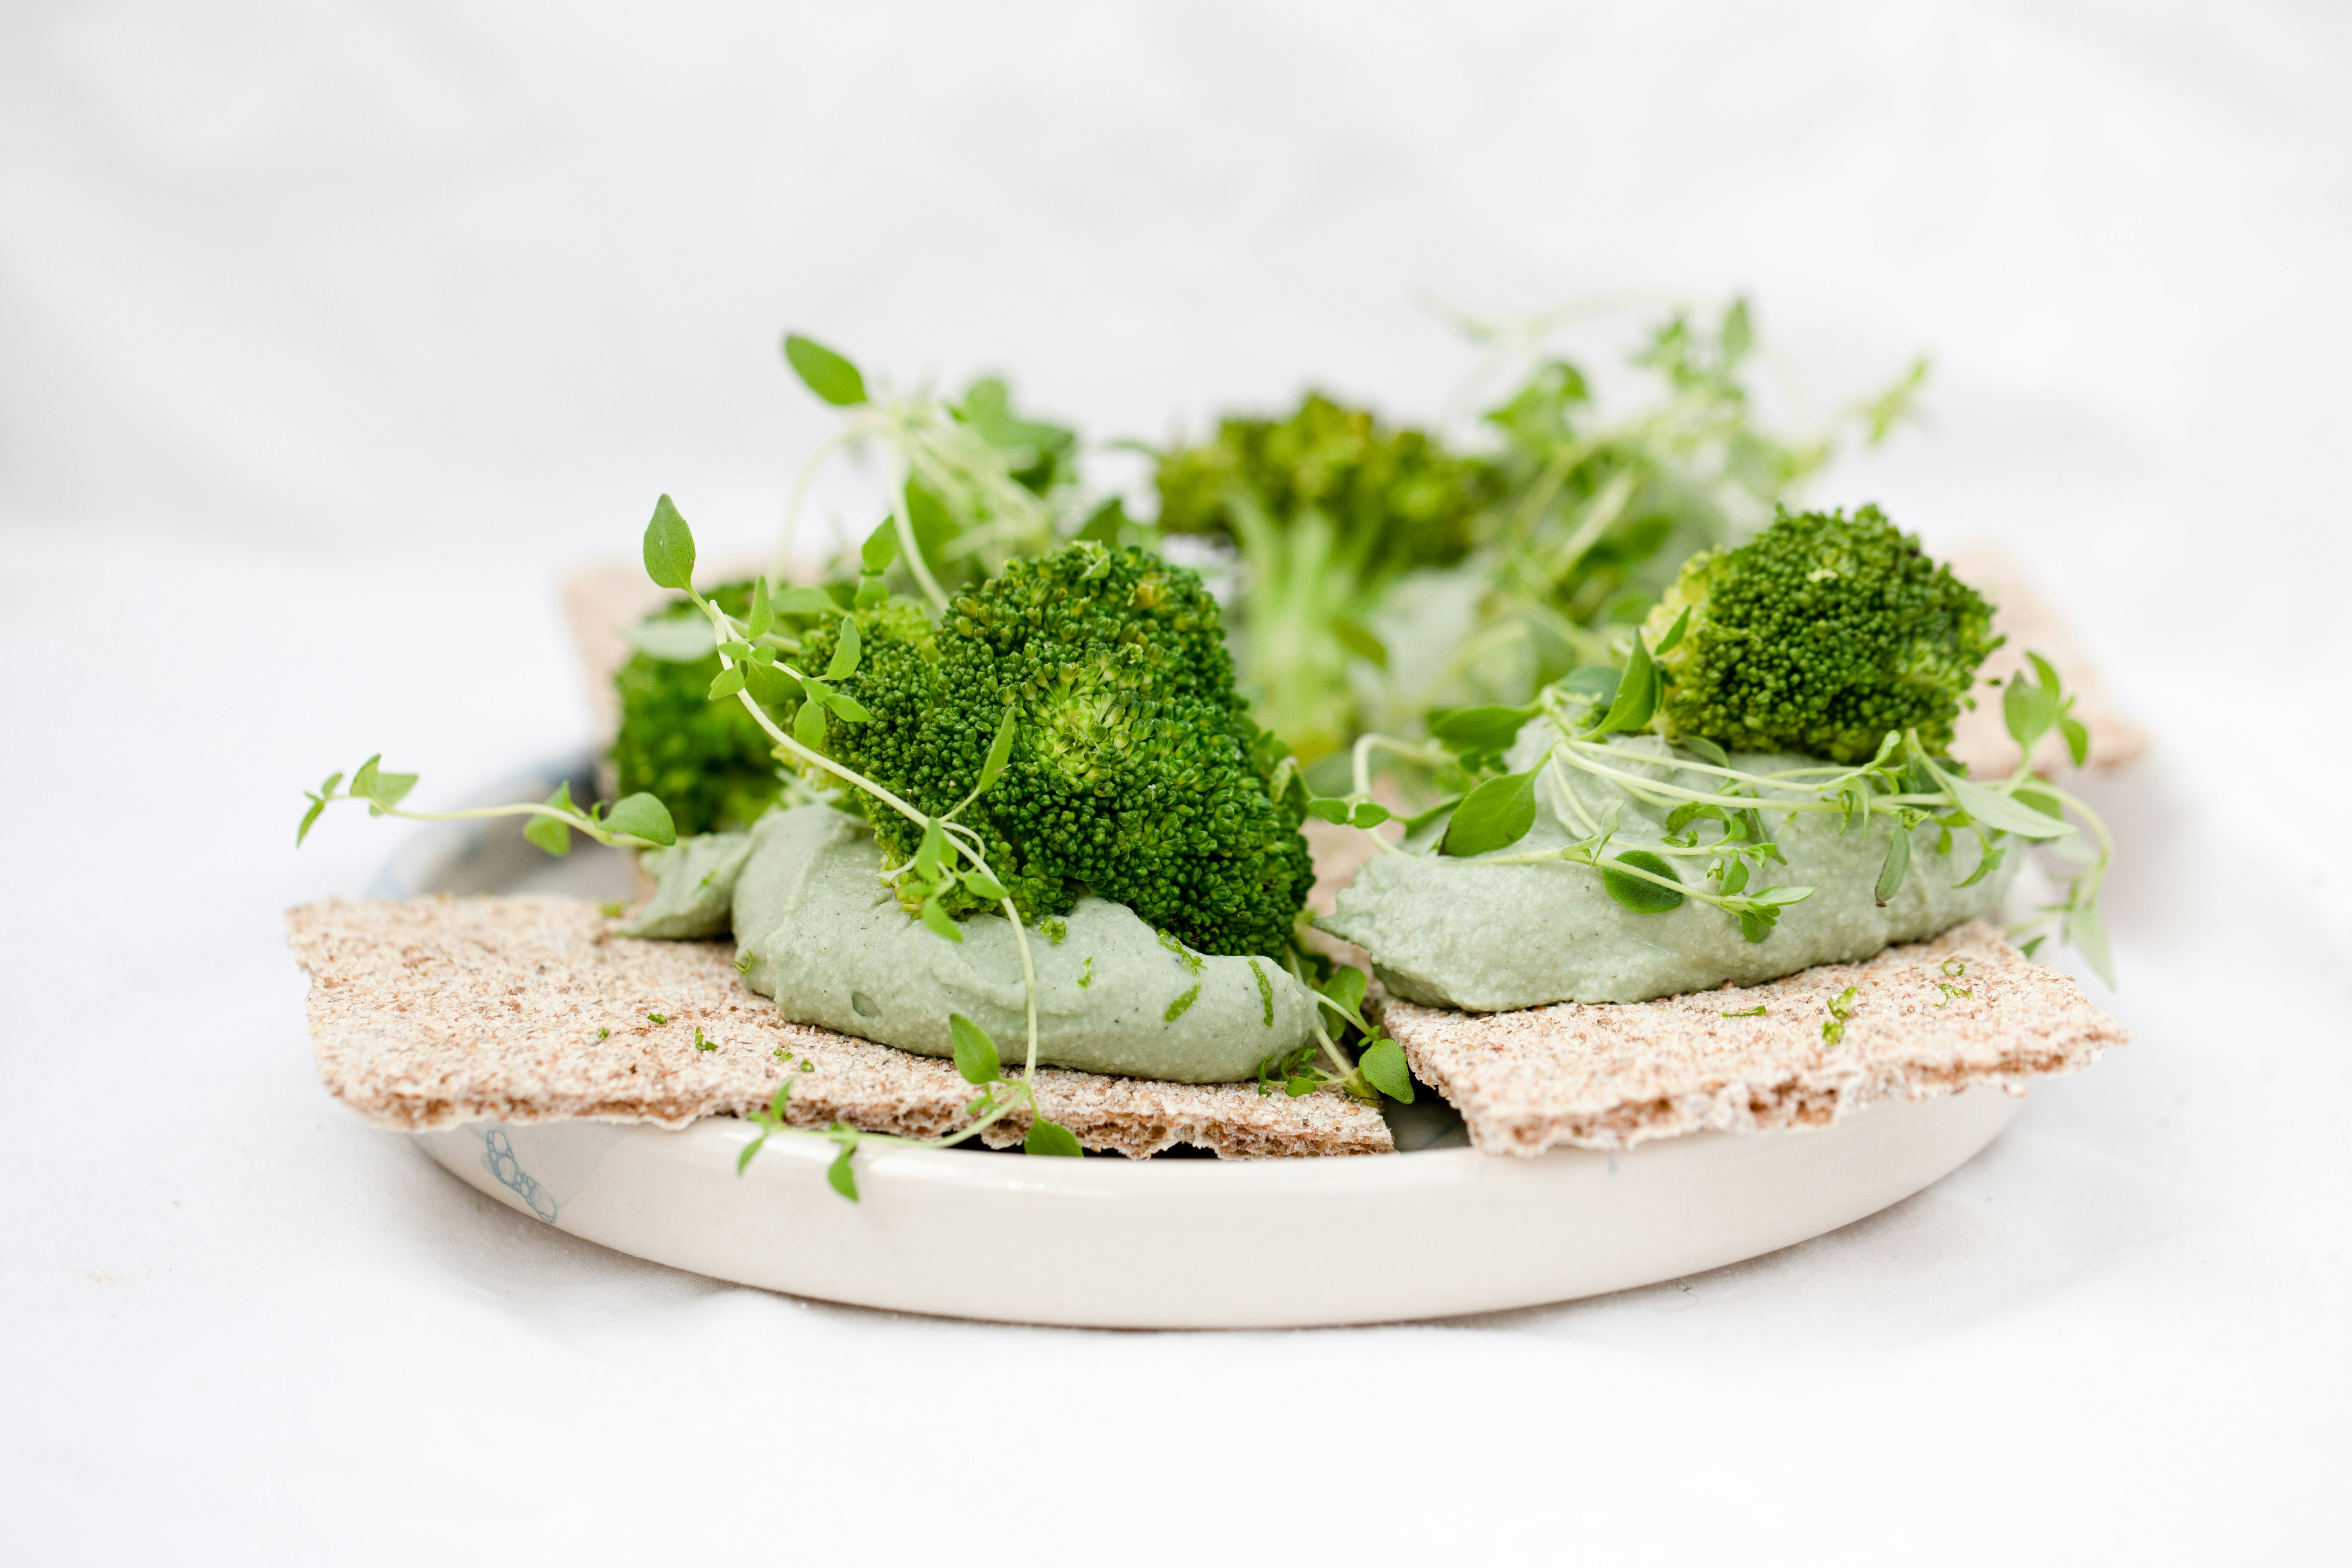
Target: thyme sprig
(634,821)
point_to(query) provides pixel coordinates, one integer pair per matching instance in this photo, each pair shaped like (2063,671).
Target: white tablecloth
(332,333)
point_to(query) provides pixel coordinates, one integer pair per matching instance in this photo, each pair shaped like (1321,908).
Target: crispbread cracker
(1613,1075)
(437,1011)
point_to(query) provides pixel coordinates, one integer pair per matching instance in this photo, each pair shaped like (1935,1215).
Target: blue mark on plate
(498,1160)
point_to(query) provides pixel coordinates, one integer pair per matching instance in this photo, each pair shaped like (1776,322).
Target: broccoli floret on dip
(1820,635)
(1135,769)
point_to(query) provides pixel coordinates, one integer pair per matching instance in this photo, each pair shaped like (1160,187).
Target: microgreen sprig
(1379,1064)
(634,821)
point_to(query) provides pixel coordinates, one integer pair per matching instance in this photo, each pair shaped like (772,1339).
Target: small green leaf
(1494,816)
(1897,863)
(823,372)
(941,922)
(642,815)
(552,834)
(846,707)
(870,592)
(1734,876)
(930,855)
(1675,633)
(669,548)
(845,653)
(839,1176)
(1051,1138)
(1328,809)
(2028,711)
(1636,894)
(1000,752)
(383,789)
(2040,800)
(975,1052)
(2046,674)
(2029,949)
(1692,811)
(1183,1004)
(1707,749)
(1637,694)
(763,616)
(726,682)
(318,804)
(1758,1011)
(881,548)
(1987,806)
(808,725)
(1347,987)
(985,886)
(1369,814)
(1383,1066)
(2078,739)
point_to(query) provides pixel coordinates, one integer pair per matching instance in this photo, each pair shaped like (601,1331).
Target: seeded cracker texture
(438,1011)
(1611,1076)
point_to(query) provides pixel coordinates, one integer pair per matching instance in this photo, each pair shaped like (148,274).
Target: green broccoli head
(1396,498)
(708,762)
(1819,635)
(1135,768)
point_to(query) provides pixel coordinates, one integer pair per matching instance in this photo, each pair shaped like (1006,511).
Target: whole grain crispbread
(437,1011)
(1928,1020)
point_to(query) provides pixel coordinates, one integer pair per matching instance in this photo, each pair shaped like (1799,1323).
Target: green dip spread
(821,934)
(1452,932)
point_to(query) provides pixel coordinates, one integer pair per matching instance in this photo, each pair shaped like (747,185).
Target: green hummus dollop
(1485,938)
(816,929)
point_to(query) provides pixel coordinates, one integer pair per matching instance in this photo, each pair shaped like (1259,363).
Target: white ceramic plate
(1174,1243)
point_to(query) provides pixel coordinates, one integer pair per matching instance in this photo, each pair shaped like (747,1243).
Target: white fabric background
(330,333)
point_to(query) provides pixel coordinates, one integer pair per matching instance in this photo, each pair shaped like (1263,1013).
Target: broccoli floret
(1396,498)
(708,762)
(1135,770)
(1819,635)
(1326,509)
